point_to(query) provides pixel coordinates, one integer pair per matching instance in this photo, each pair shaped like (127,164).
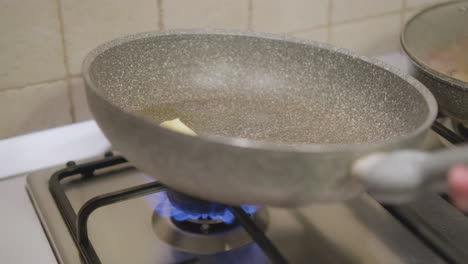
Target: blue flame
(164,208)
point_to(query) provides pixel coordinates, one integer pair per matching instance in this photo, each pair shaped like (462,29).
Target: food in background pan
(451,60)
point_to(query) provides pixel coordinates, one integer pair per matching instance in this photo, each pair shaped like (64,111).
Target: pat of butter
(178,126)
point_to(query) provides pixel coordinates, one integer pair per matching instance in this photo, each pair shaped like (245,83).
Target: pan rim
(261,145)
(458,84)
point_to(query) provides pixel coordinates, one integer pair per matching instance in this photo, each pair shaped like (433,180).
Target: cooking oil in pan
(272,119)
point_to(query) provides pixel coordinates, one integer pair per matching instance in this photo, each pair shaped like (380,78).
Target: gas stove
(106,211)
(103,210)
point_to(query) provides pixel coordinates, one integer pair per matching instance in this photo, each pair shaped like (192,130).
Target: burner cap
(205,226)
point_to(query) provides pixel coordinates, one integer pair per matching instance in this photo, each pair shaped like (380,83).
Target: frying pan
(436,28)
(280,121)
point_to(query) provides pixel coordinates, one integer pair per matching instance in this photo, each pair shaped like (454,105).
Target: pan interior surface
(258,88)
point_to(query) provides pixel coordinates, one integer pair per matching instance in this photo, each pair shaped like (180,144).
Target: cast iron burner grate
(427,218)
(462,130)
(77,223)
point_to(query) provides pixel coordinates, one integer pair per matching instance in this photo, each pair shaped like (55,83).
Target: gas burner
(205,236)
(181,207)
(199,226)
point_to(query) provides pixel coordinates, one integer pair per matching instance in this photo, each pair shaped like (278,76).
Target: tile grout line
(403,14)
(361,19)
(249,14)
(404,5)
(329,20)
(159,6)
(19,87)
(306,29)
(65,61)
(75,75)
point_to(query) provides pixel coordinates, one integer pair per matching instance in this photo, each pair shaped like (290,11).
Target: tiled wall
(43,42)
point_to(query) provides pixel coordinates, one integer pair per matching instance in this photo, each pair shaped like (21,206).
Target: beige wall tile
(343,10)
(286,16)
(34,108)
(418,3)
(232,14)
(80,103)
(369,37)
(88,23)
(319,34)
(30,45)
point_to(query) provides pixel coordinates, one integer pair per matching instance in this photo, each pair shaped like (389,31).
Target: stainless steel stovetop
(361,230)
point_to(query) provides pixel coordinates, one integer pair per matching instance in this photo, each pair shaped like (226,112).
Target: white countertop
(50,147)
(22,239)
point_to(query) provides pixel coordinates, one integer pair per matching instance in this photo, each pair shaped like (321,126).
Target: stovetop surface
(356,231)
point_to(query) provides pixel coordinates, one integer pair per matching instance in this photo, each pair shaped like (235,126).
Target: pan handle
(400,176)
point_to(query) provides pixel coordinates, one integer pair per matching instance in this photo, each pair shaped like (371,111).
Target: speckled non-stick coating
(280,120)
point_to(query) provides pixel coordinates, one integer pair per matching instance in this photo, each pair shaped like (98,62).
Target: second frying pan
(436,40)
